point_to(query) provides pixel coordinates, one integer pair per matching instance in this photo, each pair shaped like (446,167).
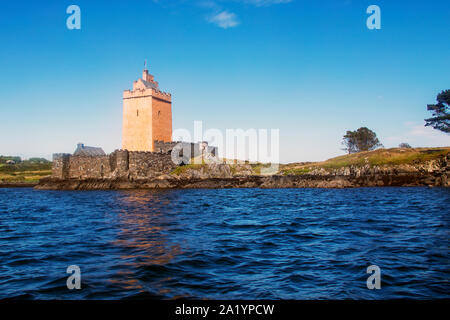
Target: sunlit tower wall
(147,115)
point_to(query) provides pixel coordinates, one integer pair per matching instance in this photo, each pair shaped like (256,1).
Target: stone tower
(147,115)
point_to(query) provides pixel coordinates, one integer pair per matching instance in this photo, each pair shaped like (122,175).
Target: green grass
(380,157)
(25,166)
(296,171)
(24,171)
(394,156)
(24,176)
(257,167)
(179,170)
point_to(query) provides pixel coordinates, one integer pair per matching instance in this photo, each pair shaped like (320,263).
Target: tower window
(137,113)
(159,113)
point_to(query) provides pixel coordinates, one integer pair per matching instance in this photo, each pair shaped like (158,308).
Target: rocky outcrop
(18,184)
(432,173)
(435,172)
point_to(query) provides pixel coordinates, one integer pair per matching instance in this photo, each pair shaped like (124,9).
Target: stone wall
(187,149)
(60,166)
(164,147)
(120,163)
(83,167)
(127,164)
(150,164)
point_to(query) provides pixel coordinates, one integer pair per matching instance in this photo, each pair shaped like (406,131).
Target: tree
(441,112)
(362,139)
(404,145)
(3,159)
(38,160)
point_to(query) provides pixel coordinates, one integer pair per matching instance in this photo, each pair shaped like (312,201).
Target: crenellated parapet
(146,87)
(162,95)
(145,92)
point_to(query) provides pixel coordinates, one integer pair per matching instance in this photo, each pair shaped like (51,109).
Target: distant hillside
(379,157)
(14,169)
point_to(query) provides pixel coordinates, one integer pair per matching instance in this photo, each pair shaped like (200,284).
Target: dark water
(236,243)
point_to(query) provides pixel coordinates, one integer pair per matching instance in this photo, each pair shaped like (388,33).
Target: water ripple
(225,244)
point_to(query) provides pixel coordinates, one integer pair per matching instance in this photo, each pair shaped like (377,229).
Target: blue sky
(310,68)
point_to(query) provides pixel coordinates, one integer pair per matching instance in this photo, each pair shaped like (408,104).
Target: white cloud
(260,3)
(219,15)
(224,20)
(418,135)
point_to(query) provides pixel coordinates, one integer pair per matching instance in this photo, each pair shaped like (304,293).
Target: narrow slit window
(137,113)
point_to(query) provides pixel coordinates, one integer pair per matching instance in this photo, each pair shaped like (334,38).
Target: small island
(155,170)
(149,159)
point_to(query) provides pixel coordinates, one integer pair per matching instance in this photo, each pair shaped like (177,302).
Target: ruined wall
(164,147)
(127,164)
(120,163)
(149,164)
(89,167)
(60,166)
(189,149)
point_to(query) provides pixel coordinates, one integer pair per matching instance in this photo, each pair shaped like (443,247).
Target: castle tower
(147,115)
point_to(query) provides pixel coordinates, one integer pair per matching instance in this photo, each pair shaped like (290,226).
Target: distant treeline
(4,159)
(16,164)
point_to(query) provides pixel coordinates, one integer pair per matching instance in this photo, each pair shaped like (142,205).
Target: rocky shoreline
(433,173)
(18,184)
(275,181)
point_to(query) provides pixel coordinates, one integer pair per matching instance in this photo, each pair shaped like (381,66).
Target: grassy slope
(394,156)
(380,157)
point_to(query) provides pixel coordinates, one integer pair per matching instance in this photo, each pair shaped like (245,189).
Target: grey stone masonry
(128,164)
